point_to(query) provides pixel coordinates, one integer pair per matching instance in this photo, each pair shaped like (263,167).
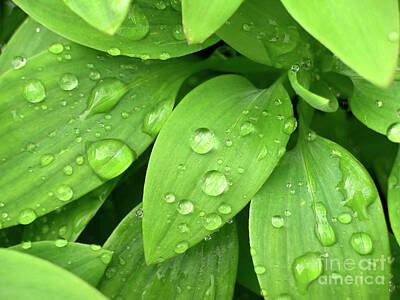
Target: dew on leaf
(344,218)
(212,221)
(259,269)
(277,221)
(306,269)
(214,183)
(34,91)
(202,140)
(114,51)
(246,128)
(393,132)
(136,26)
(18,62)
(68,82)
(225,209)
(64,192)
(169,198)
(26,245)
(323,230)
(46,159)
(154,120)
(68,170)
(361,243)
(178,33)
(60,243)
(56,48)
(185,207)
(26,216)
(181,247)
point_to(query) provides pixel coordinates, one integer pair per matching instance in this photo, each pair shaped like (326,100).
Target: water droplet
(202,140)
(225,209)
(311,136)
(181,247)
(214,183)
(323,230)
(290,125)
(106,258)
(287,213)
(139,212)
(176,4)
(60,243)
(379,103)
(64,193)
(259,270)
(104,96)
(46,159)
(154,120)
(169,198)
(62,230)
(183,228)
(164,56)
(228,143)
(18,62)
(95,247)
(79,160)
(277,221)
(68,170)
(307,268)
(68,82)
(109,158)
(56,48)
(393,37)
(212,221)
(185,207)
(344,218)
(94,75)
(247,27)
(263,153)
(178,33)
(26,216)
(246,128)
(114,51)
(35,91)
(361,242)
(26,245)
(393,132)
(136,26)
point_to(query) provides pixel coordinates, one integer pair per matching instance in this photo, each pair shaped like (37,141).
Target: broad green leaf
(68,221)
(105,15)
(46,131)
(394,197)
(395,261)
(263,31)
(377,108)
(24,276)
(85,261)
(202,18)
(318,226)
(207,271)
(317,94)
(363,34)
(227,137)
(152,29)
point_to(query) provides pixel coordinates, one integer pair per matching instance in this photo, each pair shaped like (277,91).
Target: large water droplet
(18,62)
(306,269)
(202,140)
(26,216)
(154,120)
(68,82)
(277,221)
(64,193)
(46,159)
(212,221)
(35,91)
(323,230)
(104,96)
(109,158)
(393,133)
(361,242)
(185,207)
(214,183)
(246,128)
(181,247)
(136,25)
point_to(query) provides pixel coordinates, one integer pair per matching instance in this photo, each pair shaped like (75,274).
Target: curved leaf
(207,271)
(151,30)
(26,277)
(368,31)
(377,108)
(263,31)
(322,200)
(394,197)
(202,18)
(104,15)
(319,96)
(227,137)
(44,143)
(85,261)
(69,221)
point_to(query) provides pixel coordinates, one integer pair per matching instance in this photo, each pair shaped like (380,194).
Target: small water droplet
(225,209)
(106,258)
(95,247)
(109,158)
(26,216)
(228,143)
(344,218)
(164,56)
(183,227)
(185,207)
(307,268)
(393,36)
(139,212)
(154,120)
(212,221)
(68,170)
(259,270)
(60,243)
(46,159)
(94,75)
(68,82)
(56,48)
(35,91)
(290,125)
(202,140)
(79,160)
(361,243)
(114,51)
(379,103)
(246,128)
(26,245)
(178,33)
(181,247)
(18,62)
(62,230)
(64,193)
(393,132)
(277,221)
(169,198)
(214,183)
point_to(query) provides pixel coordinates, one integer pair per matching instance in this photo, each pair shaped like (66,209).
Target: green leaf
(70,220)
(152,29)
(360,33)
(227,137)
(202,18)
(27,277)
(377,108)
(207,271)
(105,15)
(394,197)
(263,31)
(85,261)
(319,96)
(11,17)
(323,210)
(50,165)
